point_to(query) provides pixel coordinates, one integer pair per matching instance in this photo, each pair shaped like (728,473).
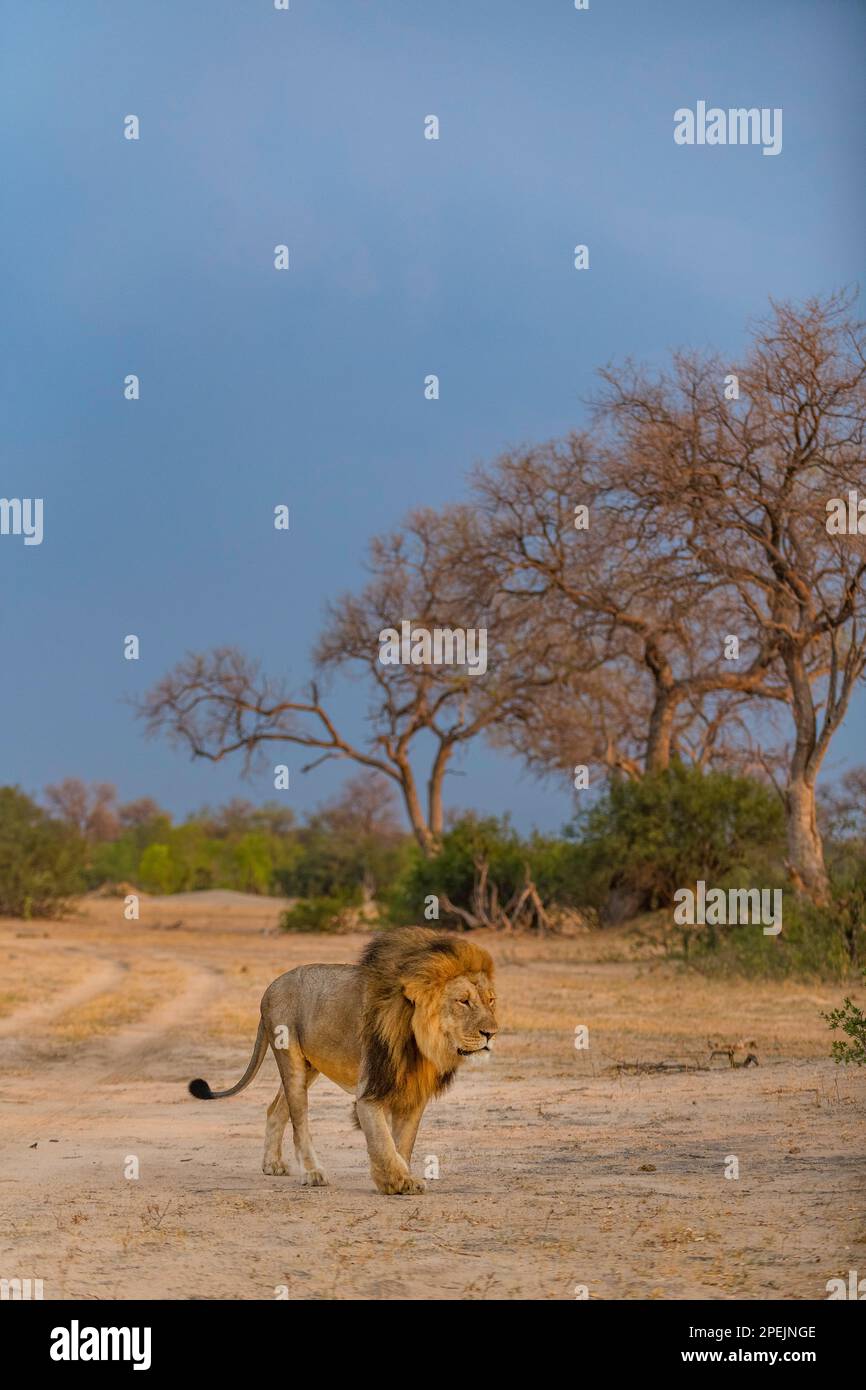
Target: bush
(156,871)
(452,873)
(163,858)
(851,1020)
(552,865)
(645,839)
(330,861)
(827,942)
(39,858)
(319,914)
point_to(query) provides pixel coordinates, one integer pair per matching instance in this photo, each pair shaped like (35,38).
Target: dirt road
(556,1169)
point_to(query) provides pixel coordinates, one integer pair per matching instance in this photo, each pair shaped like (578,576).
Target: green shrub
(157,872)
(452,872)
(851,1020)
(39,858)
(649,838)
(814,941)
(823,941)
(328,861)
(321,914)
(552,864)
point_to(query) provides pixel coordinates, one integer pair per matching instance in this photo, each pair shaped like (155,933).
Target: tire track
(148,1037)
(105,979)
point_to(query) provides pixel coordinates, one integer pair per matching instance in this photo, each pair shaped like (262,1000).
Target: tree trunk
(661,725)
(659,736)
(435,817)
(805,850)
(420,829)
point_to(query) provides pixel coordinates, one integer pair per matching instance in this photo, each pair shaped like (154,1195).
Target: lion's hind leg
(297,1076)
(273,1162)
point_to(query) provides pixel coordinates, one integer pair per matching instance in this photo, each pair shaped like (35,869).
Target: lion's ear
(408,995)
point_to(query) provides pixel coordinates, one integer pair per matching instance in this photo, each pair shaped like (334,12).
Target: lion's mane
(405,971)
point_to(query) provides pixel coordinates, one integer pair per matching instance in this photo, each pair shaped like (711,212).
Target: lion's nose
(487,1035)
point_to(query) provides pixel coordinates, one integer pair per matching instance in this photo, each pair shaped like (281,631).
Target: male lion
(393,1029)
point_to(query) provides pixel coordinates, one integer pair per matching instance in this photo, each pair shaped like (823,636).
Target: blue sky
(407,257)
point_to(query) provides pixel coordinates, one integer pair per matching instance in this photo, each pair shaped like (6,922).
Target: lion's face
(460,1023)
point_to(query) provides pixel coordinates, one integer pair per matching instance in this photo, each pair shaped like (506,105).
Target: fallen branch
(524,910)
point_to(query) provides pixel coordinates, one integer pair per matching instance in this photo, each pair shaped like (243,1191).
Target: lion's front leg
(389,1168)
(404,1128)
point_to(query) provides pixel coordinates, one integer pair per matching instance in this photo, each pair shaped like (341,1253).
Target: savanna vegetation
(351,863)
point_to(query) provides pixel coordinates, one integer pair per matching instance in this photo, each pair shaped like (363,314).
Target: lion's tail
(202,1091)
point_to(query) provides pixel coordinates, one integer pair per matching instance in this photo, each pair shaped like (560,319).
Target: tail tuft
(201,1090)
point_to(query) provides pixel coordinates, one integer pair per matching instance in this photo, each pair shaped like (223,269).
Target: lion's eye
(465,1002)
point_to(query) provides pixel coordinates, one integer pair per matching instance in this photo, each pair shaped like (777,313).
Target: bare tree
(132,815)
(220,703)
(640,622)
(365,806)
(90,809)
(743,486)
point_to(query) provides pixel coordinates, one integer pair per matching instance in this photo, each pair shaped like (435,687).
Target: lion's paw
(403,1185)
(314,1177)
(275,1167)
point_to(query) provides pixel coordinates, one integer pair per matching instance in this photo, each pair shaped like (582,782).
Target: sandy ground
(557,1169)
